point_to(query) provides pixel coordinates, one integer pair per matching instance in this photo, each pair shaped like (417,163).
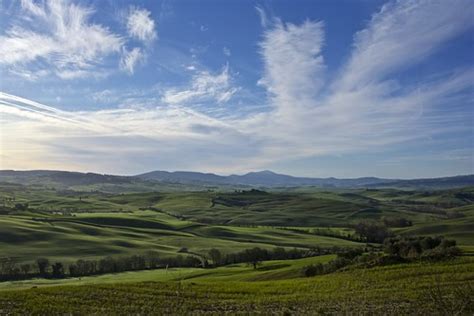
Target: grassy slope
(108,224)
(461,229)
(95,235)
(397,289)
(269,270)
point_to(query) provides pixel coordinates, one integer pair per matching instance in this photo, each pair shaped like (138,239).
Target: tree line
(44,268)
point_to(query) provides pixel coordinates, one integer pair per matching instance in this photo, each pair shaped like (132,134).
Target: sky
(322,88)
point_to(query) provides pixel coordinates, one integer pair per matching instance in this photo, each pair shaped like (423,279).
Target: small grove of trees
(421,247)
(396,221)
(372,231)
(396,250)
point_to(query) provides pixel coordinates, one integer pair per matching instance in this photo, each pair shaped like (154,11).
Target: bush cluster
(396,250)
(421,247)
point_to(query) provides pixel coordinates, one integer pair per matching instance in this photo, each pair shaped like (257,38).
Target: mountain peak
(263,172)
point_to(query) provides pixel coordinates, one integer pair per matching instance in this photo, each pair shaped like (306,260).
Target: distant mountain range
(265,178)
(268,178)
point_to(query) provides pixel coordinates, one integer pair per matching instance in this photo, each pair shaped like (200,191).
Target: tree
(58,270)
(153,259)
(107,265)
(255,256)
(216,256)
(25,268)
(313,270)
(43,265)
(7,267)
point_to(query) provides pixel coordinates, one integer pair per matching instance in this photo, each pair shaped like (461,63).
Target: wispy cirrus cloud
(264,20)
(294,65)
(400,35)
(131,58)
(58,37)
(204,86)
(140,25)
(364,108)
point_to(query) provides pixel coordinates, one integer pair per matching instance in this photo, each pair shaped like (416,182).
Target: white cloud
(140,25)
(402,34)
(294,65)
(47,136)
(226,51)
(361,111)
(204,86)
(130,59)
(59,34)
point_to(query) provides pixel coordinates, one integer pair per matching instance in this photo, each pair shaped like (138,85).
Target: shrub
(313,269)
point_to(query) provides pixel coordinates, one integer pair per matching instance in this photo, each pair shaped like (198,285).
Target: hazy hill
(161,180)
(78,181)
(446,182)
(184,177)
(264,178)
(62,177)
(268,178)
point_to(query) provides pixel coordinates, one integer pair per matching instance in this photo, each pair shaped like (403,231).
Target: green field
(275,288)
(68,225)
(100,224)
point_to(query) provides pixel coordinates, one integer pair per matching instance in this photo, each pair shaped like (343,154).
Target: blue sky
(309,88)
